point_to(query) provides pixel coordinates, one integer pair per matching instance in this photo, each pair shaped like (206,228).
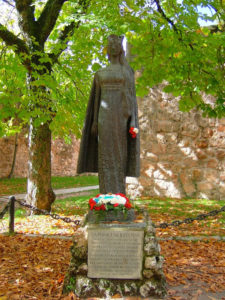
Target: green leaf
(95,67)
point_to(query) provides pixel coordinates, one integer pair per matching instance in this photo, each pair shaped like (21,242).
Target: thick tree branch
(48,18)
(26,17)
(63,40)
(160,10)
(9,3)
(20,47)
(176,30)
(12,40)
(67,32)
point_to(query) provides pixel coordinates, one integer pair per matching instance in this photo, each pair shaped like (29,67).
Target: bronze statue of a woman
(106,145)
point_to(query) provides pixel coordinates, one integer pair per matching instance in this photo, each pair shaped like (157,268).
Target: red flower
(92,203)
(97,195)
(102,207)
(120,194)
(116,204)
(128,205)
(132,133)
(97,207)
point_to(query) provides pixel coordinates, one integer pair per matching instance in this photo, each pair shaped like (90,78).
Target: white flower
(112,199)
(103,201)
(118,199)
(135,130)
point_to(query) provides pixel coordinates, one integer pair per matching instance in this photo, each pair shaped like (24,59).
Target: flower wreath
(109,202)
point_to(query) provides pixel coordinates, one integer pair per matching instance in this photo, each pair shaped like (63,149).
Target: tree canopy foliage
(169,43)
(173,43)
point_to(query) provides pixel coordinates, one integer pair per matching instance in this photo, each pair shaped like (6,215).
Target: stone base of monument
(110,216)
(116,258)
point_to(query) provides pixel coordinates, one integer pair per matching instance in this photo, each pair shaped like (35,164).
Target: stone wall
(182,154)
(64,156)
(7,146)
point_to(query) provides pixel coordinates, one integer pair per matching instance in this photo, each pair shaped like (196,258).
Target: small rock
(151,248)
(84,286)
(82,269)
(80,252)
(154,262)
(148,274)
(148,289)
(130,289)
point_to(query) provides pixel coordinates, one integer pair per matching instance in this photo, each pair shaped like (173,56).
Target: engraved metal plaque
(115,253)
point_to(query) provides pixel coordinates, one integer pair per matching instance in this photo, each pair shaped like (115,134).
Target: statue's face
(114,48)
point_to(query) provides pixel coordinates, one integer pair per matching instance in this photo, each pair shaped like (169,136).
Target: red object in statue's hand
(133,132)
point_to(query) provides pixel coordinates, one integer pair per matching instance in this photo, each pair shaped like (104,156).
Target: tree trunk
(39,190)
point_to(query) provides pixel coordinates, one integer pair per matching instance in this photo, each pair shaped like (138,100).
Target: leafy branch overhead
(44,36)
(182,43)
(12,40)
(41,28)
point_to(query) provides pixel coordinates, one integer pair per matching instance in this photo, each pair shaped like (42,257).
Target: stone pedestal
(116,258)
(94,217)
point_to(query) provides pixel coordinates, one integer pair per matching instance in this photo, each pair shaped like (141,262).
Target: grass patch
(77,205)
(19,185)
(168,210)
(75,181)
(179,207)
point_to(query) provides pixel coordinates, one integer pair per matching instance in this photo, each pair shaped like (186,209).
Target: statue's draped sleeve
(88,154)
(133,144)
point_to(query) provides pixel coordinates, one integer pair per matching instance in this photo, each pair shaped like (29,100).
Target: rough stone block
(154,262)
(148,274)
(185,142)
(80,250)
(221,128)
(204,186)
(84,286)
(149,289)
(207,132)
(151,247)
(222,176)
(202,144)
(82,269)
(211,175)
(167,126)
(191,130)
(212,163)
(220,154)
(222,190)
(201,154)
(152,157)
(159,148)
(197,174)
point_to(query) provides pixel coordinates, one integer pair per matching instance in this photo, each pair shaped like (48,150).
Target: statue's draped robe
(114,154)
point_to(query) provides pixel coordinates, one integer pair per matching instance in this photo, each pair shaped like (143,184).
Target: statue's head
(115,46)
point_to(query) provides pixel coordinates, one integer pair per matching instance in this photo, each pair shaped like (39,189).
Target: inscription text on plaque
(115,253)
